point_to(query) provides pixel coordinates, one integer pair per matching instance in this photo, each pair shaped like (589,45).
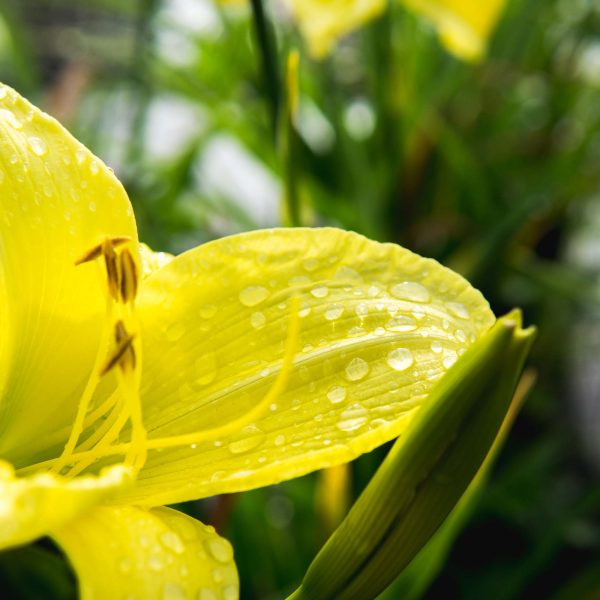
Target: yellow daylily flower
(464,26)
(129,380)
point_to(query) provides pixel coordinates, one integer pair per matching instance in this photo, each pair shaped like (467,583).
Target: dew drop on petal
(400,359)
(334,312)
(336,394)
(409,290)
(258,320)
(175,331)
(219,549)
(230,592)
(401,323)
(458,310)
(253,295)
(10,118)
(253,439)
(356,369)
(172,591)
(310,264)
(436,347)
(449,359)
(353,417)
(156,563)
(279,440)
(205,368)
(206,594)
(320,291)
(171,541)
(38,145)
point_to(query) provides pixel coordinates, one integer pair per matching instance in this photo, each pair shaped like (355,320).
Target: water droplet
(207,311)
(310,264)
(80,155)
(92,206)
(461,336)
(279,440)
(401,323)
(171,541)
(458,310)
(66,159)
(436,347)
(409,290)
(206,594)
(156,563)
(175,331)
(334,312)
(230,592)
(253,438)
(258,320)
(220,549)
(38,145)
(345,272)
(356,332)
(320,291)
(94,167)
(172,591)
(336,394)
(303,312)
(356,369)
(353,417)
(400,359)
(253,295)
(362,309)
(205,368)
(10,118)
(449,359)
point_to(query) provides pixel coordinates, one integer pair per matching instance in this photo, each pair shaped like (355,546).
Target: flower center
(118,351)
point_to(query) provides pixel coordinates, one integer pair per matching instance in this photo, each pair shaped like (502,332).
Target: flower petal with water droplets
(348,391)
(33,506)
(128,552)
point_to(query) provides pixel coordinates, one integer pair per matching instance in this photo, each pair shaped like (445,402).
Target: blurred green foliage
(490,168)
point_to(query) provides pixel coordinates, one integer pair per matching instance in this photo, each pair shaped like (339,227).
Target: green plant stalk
(425,473)
(268,56)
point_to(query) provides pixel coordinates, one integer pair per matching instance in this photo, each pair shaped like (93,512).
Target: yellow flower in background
(130,380)
(324,22)
(464,26)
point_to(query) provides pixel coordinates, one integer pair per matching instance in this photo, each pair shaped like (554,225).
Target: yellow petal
(33,506)
(128,552)
(464,25)
(379,326)
(324,22)
(58,201)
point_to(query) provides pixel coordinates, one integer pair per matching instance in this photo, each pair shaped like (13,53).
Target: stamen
(141,444)
(129,276)
(124,354)
(112,268)
(96,251)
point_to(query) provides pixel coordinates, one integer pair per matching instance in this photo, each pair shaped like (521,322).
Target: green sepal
(425,473)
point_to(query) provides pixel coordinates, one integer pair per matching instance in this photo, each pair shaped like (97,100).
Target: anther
(97,251)
(124,354)
(129,276)
(112,268)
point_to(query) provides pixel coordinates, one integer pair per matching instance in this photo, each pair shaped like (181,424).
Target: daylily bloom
(464,26)
(130,380)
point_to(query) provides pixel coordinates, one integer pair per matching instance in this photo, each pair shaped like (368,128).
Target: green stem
(266,48)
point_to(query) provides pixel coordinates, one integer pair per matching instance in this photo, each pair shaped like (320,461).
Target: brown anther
(124,354)
(96,251)
(129,276)
(112,268)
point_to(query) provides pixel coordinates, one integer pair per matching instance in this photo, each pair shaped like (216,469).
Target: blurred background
(492,167)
